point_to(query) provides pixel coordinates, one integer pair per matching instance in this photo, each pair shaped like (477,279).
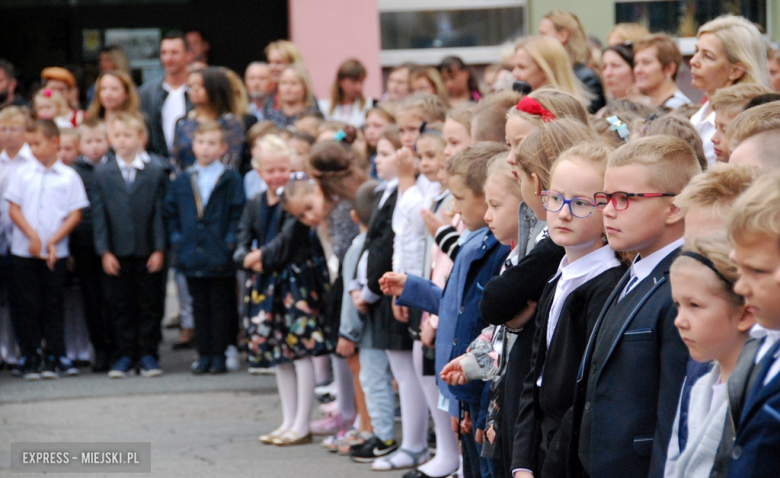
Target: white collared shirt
(207,179)
(128,169)
(573,276)
(8,168)
(772,336)
(705,125)
(643,266)
(174,107)
(46,198)
(101,162)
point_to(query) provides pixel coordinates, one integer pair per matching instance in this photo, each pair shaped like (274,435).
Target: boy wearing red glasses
(630,376)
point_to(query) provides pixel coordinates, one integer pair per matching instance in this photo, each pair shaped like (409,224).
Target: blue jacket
(756,451)
(204,237)
(457,306)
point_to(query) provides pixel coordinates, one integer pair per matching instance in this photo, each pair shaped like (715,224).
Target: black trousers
(38,311)
(132,300)
(215,311)
(89,270)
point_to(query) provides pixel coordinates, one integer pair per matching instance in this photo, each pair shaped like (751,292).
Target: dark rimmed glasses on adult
(578,206)
(620,199)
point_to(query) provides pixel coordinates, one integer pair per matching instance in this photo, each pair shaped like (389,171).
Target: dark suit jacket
(83,233)
(151,97)
(592,83)
(129,223)
(628,383)
(544,420)
(756,451)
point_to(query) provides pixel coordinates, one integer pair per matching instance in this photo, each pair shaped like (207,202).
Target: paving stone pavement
(198,426)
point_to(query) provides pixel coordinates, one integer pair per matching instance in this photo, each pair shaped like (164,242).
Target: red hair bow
(533,107)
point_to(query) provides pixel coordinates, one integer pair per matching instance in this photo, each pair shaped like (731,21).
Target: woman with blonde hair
(295,96)
(729,50)
(426,79)
(542,61)
(567,29)
(347,102)
(114,93)
(280,54)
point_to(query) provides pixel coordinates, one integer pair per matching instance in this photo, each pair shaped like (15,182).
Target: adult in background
(280,54)
(115,93)
(8,84)
(259,85)
(165,100)
(729,50)
(199,46)
(213,99)
(657,60)
(294,97)
(567,29)
(626,32)
(347,102)
(617,70)
(111,57)
(461,82)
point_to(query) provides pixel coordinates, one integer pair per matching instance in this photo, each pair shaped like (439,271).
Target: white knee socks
(295,382)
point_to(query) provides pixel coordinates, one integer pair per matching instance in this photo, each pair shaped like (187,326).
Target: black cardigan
(550,407)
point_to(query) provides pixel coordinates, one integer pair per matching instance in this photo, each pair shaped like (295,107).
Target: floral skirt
(283,314)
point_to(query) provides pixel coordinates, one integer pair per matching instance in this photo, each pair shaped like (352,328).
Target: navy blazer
(205,237)
(756,451)
(628,383)
(457,306)
(129,223)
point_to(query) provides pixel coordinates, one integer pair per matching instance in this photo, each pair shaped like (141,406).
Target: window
(684,17)
(427,30)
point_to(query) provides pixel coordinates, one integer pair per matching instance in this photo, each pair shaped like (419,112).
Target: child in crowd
(69,145)
(707,199)
(301,143)
(629,435)
(752,137)
(51,105)
(568,308)
(93,146)
(675,125)
(480,259)
(727,103)
(130,237)
(377,120)
(714,322)
(387,333)
(752,227)
(261,220)
(354,333)
(45,199)
(203,207)
(286,306)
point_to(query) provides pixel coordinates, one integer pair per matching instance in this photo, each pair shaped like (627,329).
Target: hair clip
(649,120)
(339,135)
(47,93)
(619,127)
(279,191)
(533,107)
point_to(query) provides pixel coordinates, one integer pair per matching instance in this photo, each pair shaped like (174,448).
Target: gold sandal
(291,438)
(268,438)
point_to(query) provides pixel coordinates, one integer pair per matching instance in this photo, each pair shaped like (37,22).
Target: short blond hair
(472,164)
(426,107)
(670,160)
(271,144)
(736,97)
(559,103)
(541,148)
(462,114)
(92,124)
(742,43)
(676,125)
(629,31)
(757,211)
(716,189)
(499,167)
(594,153)
(13,111)
(716,248)
(552,59)
(134,121)
(763,119)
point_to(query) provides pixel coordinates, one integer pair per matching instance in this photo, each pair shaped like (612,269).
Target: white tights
(345,389)
(414,414)
(447,456)
(295,382)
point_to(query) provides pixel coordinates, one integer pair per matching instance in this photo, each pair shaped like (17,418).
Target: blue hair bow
(619,127)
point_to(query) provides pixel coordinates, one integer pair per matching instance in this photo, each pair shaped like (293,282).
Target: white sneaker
(232,358)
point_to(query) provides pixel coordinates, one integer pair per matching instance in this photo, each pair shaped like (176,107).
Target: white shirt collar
(643,266)
(57,167)
(100,162)
(585,264)
(759,332)
(138,162)
(699,117)
(25,154)
(213,167)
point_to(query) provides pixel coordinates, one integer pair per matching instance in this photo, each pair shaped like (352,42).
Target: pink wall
(329,31)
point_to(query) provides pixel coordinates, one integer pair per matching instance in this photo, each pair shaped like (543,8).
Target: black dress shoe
(203,365)
(218,364)
(102,362)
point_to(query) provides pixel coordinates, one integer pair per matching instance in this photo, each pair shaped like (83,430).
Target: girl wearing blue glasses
(567,310)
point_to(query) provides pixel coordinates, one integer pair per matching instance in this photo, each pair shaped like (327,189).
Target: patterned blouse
(185,134)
